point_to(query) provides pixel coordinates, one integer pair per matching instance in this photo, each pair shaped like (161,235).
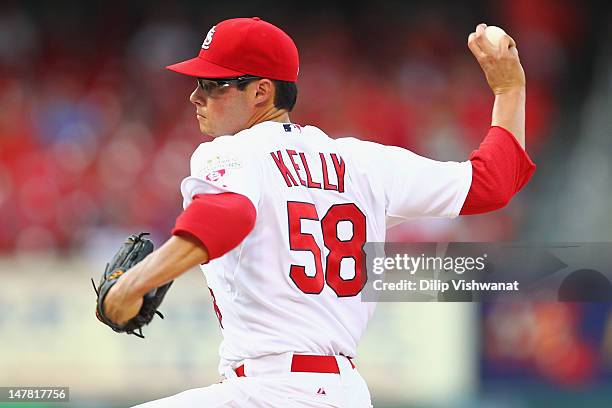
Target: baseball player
(277,215)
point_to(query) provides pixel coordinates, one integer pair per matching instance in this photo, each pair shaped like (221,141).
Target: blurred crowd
(569,345)
(95,135)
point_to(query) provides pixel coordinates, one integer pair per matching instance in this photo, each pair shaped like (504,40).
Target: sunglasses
(212,86)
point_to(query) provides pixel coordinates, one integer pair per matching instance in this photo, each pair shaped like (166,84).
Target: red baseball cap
(242,46)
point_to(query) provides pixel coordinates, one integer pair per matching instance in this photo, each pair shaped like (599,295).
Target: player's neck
(270,115)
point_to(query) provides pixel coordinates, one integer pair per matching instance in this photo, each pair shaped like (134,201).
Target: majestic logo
(208,39)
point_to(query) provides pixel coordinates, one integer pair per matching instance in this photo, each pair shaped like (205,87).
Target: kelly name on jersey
(288,163)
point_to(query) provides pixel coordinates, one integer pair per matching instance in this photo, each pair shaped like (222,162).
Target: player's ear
(264,92)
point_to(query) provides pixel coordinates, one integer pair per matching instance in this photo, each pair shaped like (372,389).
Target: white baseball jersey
(294,283)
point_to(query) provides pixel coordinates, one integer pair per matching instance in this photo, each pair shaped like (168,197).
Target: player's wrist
(512,90)
(125,290)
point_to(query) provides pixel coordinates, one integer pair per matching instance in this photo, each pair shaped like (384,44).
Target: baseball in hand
(494,35)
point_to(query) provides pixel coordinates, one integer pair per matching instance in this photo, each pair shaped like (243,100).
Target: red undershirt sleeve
(219,221)
(500,168)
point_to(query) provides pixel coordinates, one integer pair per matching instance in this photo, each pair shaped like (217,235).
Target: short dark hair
(286,94)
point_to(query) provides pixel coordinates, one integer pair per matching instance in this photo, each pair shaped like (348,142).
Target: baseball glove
(133,250)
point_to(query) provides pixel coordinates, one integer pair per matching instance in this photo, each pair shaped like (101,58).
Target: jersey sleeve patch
(216,168)
(221,166)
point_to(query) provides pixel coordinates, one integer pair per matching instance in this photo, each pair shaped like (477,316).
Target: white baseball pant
(269,382)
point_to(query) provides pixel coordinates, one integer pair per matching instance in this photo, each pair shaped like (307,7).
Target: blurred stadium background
(95,137)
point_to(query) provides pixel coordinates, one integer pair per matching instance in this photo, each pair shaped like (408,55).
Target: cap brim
(198,67)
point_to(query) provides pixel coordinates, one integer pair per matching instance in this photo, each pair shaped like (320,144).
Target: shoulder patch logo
(209,38)
(215,175)
(222,161)
(217,166)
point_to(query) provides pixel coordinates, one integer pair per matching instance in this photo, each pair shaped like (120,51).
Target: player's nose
(197,97)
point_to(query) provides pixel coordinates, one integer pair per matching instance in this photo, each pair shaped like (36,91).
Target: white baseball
(494,35)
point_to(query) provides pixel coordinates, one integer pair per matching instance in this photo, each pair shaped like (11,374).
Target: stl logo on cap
(208,39)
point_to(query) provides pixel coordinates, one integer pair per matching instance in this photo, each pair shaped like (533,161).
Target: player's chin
(204,128)
(207,130)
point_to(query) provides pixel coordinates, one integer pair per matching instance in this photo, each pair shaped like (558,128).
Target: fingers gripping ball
(132,251)
(500,61)
(496,35)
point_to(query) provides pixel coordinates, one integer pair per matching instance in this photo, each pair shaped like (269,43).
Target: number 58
(338,249)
